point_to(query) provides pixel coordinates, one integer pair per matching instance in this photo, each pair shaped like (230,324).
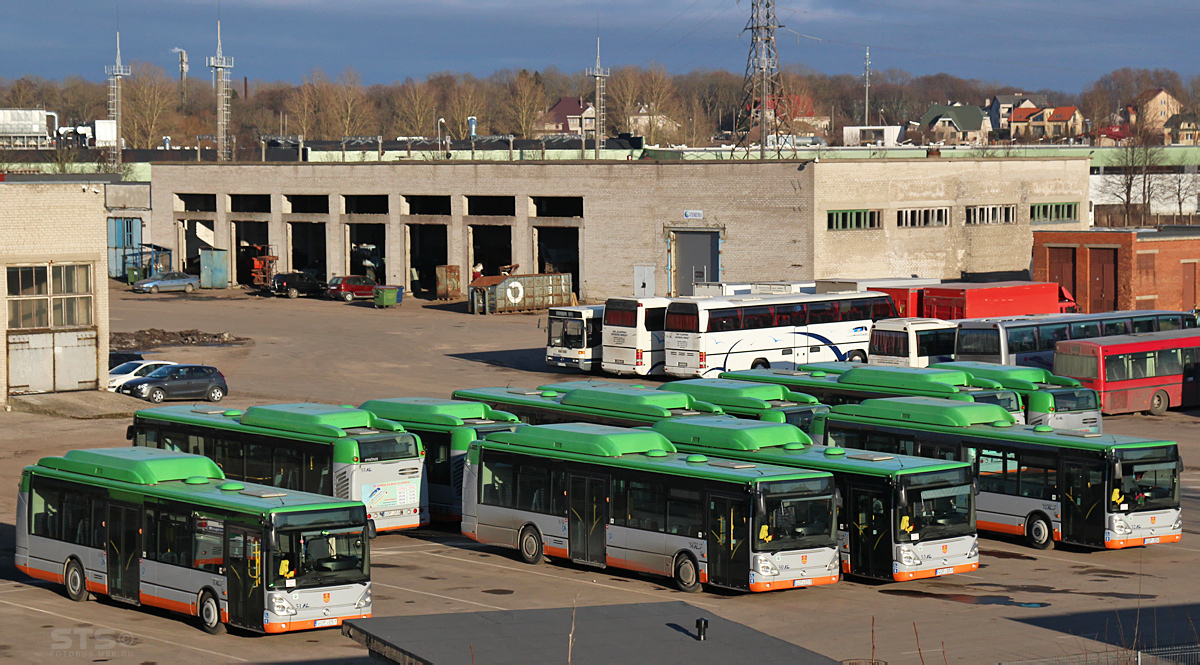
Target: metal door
(1062,267)
(31,363)
(244,574)
(643,281)
(587,519)
(870,533)
(1103,292)
(728,542)
(1083,502)
(214,268)
(124,551)
(697,258)
(1189,286)
(75,360)
(124,240)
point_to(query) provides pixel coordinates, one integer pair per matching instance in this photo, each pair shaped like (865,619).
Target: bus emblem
(803,558)
(1152,518)
(945,548)
(326,598)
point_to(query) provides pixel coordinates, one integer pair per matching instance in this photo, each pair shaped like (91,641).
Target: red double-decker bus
(1140,372)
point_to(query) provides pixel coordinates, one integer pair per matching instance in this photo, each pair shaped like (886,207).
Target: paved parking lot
(1020,604)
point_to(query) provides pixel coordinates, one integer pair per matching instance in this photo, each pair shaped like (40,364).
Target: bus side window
(497,481)
(656,319)
(1038,476)
(228,455)
(837,436)
(1051,334)
(316,472)
(175,442)
(558,492)
(1116,367)
(684,512)
(208,546)
(258,463)
(146,437)
(620,504)
(1170,322)
(437,456)
(647,506)
(1022,340)
(533,488)
(45,510)
(1144,324)
(1116,327)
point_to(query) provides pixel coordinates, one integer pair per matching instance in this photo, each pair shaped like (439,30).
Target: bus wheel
(1039,533)
(856,357)
(687,578)
(76,582)
(1159,403)
(210,614)
(760,364)
(531,545)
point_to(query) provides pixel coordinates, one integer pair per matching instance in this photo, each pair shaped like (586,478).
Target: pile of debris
(154,337)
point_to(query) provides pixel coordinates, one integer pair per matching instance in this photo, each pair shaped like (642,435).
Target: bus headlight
(281,605)
(764,566)
(1178,525)
(908,557)
(1120,526)
(364,599)
(973,553)
(833,563)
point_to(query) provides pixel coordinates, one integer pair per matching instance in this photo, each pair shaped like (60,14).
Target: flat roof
(635,633)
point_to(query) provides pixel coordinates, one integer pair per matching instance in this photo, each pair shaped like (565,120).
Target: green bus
(1057,401)
(770,402)
(333,450)
(446,427)
(1087,488)
(167,529)
(900,517)
(849,383)
(600,403)
(625,498)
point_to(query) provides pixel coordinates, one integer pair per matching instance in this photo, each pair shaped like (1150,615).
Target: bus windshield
(1004,398)
(794,514)
(1081,399)
(566,334)
(1149,480)
(316,549)
(381,449)
(802,416)
(940,505)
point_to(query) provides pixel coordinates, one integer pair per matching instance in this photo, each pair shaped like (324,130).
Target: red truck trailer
(985,299)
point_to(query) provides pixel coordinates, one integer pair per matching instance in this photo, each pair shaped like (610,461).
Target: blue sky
(1034,44)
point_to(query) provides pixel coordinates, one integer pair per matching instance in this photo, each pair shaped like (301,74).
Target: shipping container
(519,293)
(990,299)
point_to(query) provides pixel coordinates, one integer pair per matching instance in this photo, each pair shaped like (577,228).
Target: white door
(31,363)
(643,281)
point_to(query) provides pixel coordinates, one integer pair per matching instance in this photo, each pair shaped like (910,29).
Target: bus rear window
(620,318)
(683,317)
(978,341)
(889,343)
(381,449)
(1076,366)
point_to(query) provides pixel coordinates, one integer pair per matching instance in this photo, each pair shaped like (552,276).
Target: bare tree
(416,109)
(351,111)
(1131,175)
(526,102)
(467,99)
(1180,187)
(621,99)
(657,93)
(307,107)
(149,100)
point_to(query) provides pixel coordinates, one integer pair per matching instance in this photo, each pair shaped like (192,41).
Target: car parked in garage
(350,287)
(179,381)
(134,369)
(167,281)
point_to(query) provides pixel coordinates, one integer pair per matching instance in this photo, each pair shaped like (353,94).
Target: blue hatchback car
(167,281)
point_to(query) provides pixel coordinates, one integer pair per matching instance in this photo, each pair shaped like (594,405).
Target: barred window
(1005,214)
(912,217)
(840,220)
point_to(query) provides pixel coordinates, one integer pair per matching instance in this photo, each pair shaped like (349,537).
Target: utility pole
(183,72)
(763,85)
(116,72)
(867,89)
(220,66)
(600,73)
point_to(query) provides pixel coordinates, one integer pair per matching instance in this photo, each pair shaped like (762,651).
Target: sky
(1029,44)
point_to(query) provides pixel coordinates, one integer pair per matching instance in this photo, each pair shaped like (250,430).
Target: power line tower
(116,72)
(221,66)
(600,73)
(763,86)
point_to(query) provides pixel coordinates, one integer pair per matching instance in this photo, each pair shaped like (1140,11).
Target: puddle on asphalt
(964,598)
(1049,590)
(1001,554)
(498,592)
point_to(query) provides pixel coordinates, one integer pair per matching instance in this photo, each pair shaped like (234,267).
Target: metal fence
(1176,655)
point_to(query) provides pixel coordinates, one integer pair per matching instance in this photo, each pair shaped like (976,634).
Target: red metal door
(1062,267)
(1103,294)
(1189,286)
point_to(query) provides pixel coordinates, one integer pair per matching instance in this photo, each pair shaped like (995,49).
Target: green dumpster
(133,274)
(388,296)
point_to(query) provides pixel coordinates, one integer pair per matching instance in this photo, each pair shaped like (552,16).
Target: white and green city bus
(624,498)
(446,427)
(166,529)
(333,450)
(1058,401)
(899,518)
(1086,488)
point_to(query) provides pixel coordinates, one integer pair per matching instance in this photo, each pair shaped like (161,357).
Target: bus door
(1083,501)
(728,541)
(870,532)
(244,576)
(124,551)
(587,518)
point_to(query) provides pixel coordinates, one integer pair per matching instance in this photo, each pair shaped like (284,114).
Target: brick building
(617,224)
(1122,269)
(53,264)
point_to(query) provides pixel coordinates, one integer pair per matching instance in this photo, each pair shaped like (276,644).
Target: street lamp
(441,121)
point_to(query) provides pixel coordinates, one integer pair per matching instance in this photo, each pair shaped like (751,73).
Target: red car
(351,287)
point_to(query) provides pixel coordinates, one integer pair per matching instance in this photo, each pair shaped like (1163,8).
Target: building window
(1054,212)
(41,296)
(841,220)
(992,214)
(1145,266)
(912,217)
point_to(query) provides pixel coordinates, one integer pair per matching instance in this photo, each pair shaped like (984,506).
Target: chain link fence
(1176,655)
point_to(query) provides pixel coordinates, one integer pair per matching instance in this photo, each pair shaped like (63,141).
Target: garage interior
(307,248)
(491,247)
(365,254)
(558,251)
(197,235)
(252,240)
(428,249)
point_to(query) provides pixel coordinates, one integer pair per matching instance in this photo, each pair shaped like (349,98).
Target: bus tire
(1159,403)
(687,574)
(856,357)
(210,614)
(760,363)
(76,581)
(530,545)
(1039,533)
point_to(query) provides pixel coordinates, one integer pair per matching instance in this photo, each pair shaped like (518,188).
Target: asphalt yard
(1020,604)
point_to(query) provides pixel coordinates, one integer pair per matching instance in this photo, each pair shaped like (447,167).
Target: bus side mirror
(975,486)
(272,539)
(129,433)
(371,529)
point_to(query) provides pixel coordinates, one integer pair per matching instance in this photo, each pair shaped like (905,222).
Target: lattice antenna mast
(867,89)
(763,85)
(221,66)
(600,73)
(116,72)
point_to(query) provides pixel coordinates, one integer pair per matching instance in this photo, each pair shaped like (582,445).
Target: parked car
(350,287)
(178,381)
(120,357)
(296,284)
(167,281)
(134,369)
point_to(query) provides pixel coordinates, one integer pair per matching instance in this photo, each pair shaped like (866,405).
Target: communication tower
(221,66)
(600,73)
(116,72)
(763,86)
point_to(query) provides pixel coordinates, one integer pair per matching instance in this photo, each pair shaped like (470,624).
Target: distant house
(1048,125)
(801,111)
(1000,107)
(1183,129)
(568,115)
(956,124)
(644,118)
(1151,110)
(884,136)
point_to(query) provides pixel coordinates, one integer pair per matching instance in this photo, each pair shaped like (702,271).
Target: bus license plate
(796,583)
(561,364)
(1150,541)
(323,623)
(943,571)
(683,364)
(618,361)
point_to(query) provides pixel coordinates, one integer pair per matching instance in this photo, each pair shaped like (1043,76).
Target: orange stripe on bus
(560,552)
(1139,542)
(932,572)
(790,584)
(1001,528)
(168,604)
(39,574)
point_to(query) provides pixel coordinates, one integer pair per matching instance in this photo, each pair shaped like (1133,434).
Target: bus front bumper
(904,576)
(1149,528)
